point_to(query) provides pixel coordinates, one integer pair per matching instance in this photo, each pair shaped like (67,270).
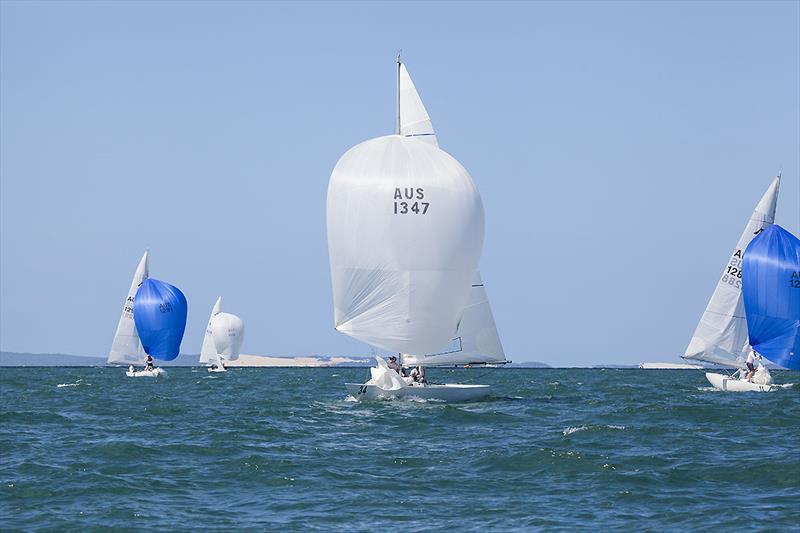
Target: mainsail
(405,232)
(721,335)
(476,340)
(208,352)
(159,311)
(126,348)
(771,290)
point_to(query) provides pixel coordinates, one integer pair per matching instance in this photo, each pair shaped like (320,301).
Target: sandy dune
(265,360)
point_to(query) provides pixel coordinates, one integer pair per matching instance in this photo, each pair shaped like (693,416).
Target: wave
(575,429)
(75,384)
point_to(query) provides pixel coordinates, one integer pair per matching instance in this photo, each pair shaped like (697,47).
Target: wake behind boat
(404,265)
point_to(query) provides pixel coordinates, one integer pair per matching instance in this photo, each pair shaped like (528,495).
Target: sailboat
(721,336)
(126,348)
(223,339)
(159,313)
(405,233)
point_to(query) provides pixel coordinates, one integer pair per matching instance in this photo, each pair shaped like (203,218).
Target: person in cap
(394,365)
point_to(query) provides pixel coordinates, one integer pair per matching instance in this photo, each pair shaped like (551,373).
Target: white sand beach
(308,361)
(670,366)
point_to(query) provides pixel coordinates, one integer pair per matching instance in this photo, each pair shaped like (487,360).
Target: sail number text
(128,308)
(794,282)
(408,200)
(733,272)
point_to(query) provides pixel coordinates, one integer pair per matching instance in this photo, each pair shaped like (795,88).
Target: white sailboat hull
(144,373)
(448,392)
(218,369)
(725,383)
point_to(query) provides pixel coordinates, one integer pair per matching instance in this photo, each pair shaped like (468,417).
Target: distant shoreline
(50,360)
(28,360)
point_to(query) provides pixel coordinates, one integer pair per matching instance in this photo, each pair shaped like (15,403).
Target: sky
(619,149)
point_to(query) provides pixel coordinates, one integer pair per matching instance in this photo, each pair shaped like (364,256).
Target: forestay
(405,232)
(771,290)
(721,335)
(159,312)
(126,349)
(476,341)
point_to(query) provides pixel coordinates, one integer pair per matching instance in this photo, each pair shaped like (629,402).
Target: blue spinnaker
(771,289)
(159,311)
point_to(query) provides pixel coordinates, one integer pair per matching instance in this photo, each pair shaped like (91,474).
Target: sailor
(148,364)
(394,365)
(750,362)
(418,375)
(762,375)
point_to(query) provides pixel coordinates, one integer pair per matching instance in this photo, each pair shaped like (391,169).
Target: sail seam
(722,314)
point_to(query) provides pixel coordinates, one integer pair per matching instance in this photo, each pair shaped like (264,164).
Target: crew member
(751,362)
(394,365)
(418,375)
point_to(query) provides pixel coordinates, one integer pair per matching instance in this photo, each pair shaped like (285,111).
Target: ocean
(287,449)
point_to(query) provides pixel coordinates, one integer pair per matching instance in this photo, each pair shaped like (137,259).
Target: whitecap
(575,429)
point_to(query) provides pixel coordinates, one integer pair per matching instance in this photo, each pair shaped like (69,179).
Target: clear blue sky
(619,149)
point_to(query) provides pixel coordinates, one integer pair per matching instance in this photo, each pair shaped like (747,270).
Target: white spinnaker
(414,119)
(405,232)
(721,335)
(126,349)
(476,341)
(228,333)
(208,352)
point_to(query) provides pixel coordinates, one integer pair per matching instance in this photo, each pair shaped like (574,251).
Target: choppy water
(285,448)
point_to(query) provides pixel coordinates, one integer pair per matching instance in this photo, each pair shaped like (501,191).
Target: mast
(398,91)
